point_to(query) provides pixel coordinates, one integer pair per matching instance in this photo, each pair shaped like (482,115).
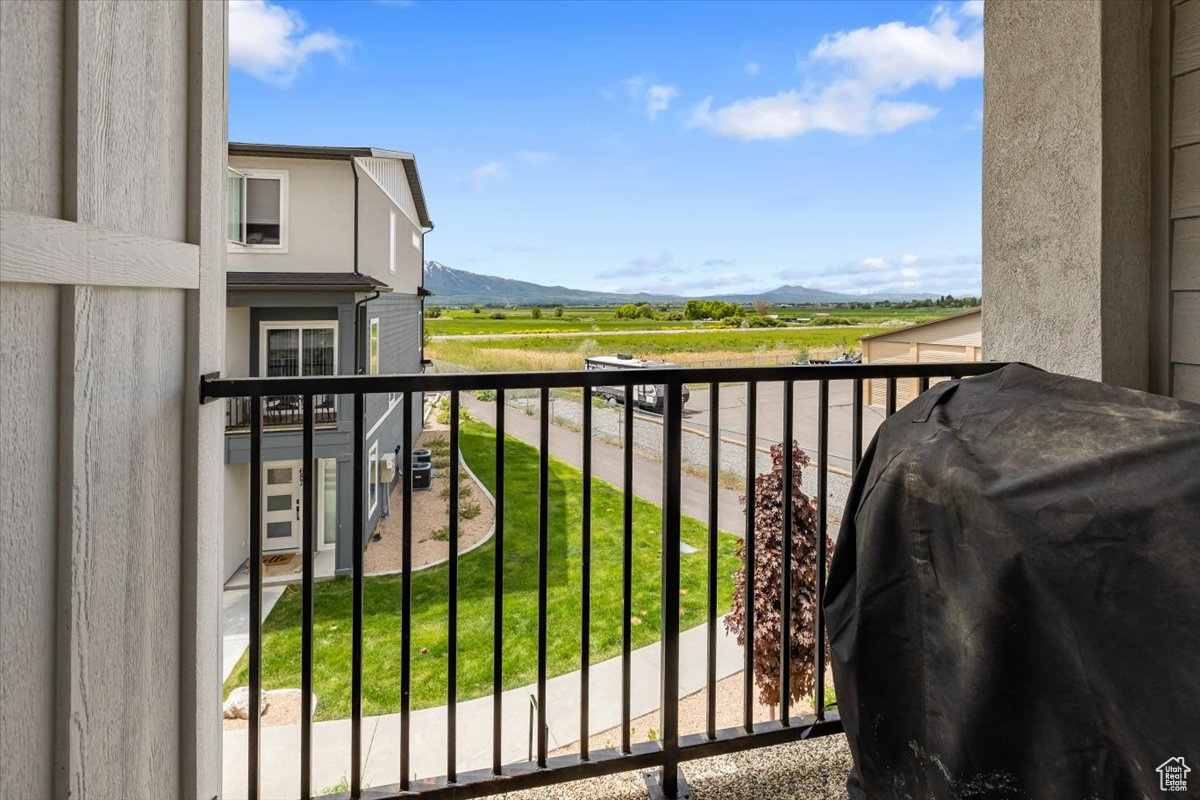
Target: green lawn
(381,597)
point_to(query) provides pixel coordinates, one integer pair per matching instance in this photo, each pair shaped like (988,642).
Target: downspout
(424,232)
(354,167)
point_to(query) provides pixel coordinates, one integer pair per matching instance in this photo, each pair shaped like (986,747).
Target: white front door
(282,512)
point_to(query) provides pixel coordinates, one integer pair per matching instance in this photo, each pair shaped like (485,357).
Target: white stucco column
(1066,187)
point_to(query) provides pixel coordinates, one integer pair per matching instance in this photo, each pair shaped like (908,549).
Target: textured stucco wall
(1066,167)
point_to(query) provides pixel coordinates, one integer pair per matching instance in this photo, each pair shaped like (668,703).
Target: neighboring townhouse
(325,254)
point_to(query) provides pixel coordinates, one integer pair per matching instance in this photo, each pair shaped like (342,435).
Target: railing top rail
(212,388)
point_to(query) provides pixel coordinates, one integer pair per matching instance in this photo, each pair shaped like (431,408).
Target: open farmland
(519,321)
(549,352)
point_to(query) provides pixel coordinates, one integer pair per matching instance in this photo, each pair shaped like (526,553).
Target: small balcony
(498,707)
(280,413)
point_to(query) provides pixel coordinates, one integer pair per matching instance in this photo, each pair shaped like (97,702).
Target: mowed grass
(568,352)
(430,643)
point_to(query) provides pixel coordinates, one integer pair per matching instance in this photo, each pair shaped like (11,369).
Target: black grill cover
(1014,600)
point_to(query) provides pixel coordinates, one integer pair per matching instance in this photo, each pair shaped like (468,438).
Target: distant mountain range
(457,287)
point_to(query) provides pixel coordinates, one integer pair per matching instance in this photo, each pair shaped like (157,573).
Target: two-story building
(325,254)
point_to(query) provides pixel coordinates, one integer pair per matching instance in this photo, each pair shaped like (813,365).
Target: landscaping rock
(238,704)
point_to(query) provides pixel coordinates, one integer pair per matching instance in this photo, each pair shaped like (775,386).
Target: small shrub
(439,461)
(433,312)
(535,312)
(469,510)
(486,395)
(558,311)
(441,534)
(498,315)
(476,310)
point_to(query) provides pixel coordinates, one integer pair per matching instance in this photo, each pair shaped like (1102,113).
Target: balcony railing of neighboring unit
(280,411)
(259,397)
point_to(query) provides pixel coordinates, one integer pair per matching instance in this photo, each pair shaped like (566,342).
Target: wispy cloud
(484,174)
(654,97)
(646,265)
(522,247)
(752,68)
(690,285)
(871,67)
(900,274)
(535,157)
(718,262)
(269,41)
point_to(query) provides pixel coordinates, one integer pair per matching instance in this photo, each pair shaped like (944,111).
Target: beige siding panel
(1185,327)
(1187,383)
(963,329)
(374,221)
(884,351)
(1187,38)
(1185,182)
(132,145)
(125,585)
(1185,111)
(942,354)
(28,440)
(31,78)
(1185,255)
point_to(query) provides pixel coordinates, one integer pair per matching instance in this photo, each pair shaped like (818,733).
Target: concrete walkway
(608,465)
(235,622)
(381,735)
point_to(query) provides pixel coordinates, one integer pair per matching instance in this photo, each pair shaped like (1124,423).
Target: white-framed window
(258,209)
(373,477)
(392,240)
(373,351)
(297,349)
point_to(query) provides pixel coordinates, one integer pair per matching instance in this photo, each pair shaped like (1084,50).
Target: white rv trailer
(651,396)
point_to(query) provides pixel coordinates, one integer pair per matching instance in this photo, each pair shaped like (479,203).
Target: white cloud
(656,97)
(535,156)
(973,8)
(905,274)
(268,41)
(753,68)
(870,67)
(485,174)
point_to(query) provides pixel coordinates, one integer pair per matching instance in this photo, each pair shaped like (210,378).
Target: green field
(430,644)
(568,352)
(457,322)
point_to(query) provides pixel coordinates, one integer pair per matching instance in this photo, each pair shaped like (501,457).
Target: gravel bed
(608,426)
(808,769)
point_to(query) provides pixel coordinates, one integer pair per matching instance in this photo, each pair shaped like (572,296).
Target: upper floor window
(374,346)
(258,208)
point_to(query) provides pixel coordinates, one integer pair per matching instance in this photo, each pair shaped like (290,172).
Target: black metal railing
(280,411)
(671,748)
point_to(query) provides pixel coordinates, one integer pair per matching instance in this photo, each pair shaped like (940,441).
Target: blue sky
(668,147)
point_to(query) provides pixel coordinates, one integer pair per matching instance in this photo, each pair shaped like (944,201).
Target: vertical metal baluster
(256,534)
(498,595)
(406,596)
(785,628)
(543,576)
(452,626)
(669,617)
(356,653)
(714,472)
(585,589)
(891,396)
(308,503)
(748,544)
(822,524)
(857,433)
(627,573)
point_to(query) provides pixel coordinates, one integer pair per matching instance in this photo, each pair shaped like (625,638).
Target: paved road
(769,424)
(608,465)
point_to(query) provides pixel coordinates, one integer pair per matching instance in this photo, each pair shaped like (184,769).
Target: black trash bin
(421,456)
(422,476)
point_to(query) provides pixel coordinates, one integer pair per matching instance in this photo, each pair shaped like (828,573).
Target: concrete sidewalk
(608,465)
(381,735)
(235,622)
